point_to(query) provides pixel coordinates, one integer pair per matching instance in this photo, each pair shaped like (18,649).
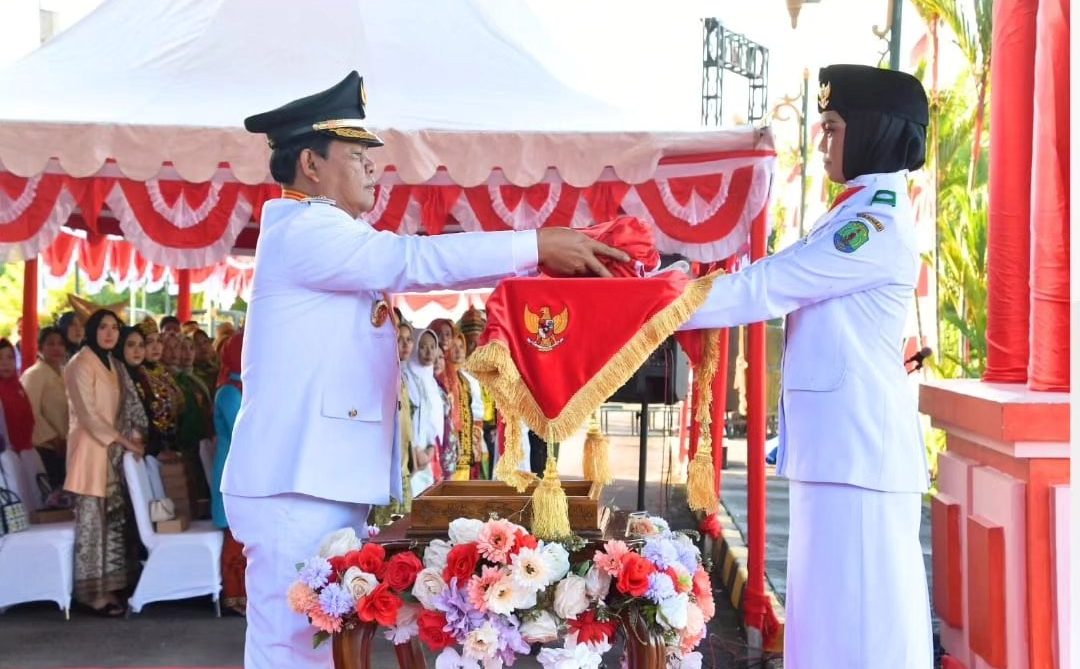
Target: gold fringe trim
(493,365)
(701,477)
(507,468)
(595,460)
(551,511)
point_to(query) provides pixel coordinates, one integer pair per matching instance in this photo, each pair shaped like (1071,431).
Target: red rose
(461,563)
(523,540)
(381,606)
(401,571)
(590,630)
(371,558)
(432,632)
(338,565)
(634,578)
(711,526)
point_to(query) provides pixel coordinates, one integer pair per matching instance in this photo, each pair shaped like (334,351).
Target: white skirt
(856,583)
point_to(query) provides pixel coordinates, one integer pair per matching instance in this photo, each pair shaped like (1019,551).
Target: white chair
(37,564)
(179,566)
(153,470)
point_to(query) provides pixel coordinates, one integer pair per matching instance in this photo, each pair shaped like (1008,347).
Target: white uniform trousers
(856,583)
(277,533)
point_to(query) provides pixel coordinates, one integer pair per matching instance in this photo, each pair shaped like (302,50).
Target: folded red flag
(555,349)
(632,236)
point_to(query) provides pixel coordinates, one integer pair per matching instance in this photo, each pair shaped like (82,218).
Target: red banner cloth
(555,349)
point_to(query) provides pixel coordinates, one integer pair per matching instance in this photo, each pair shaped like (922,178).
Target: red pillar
(755,600)
(29,334)
(1008,254)
(1048,368)
(183,300)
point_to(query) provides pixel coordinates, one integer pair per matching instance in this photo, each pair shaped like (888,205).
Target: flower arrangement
(491,592)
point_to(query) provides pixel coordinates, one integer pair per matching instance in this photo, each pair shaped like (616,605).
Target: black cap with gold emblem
(863,88)
(338,111)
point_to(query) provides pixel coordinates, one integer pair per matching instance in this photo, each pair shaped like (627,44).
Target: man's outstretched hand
(566,252)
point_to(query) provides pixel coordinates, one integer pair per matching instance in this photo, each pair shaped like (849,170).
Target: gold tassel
(595,461)
(551,512)
(506,470)
(701,477)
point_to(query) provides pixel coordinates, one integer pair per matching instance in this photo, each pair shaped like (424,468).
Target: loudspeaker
(661,380)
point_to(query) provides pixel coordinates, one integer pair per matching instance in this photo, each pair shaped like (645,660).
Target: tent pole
(183,299)
(29,334)
(755,601)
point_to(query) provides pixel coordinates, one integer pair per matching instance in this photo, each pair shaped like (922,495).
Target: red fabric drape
(1008,260)
(719,225)
(1048,368)
(28,223)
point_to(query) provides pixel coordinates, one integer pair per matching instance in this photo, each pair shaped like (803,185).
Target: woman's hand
(133,446)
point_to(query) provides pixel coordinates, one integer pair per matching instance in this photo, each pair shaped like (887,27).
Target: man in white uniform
(850,441)
(315,442)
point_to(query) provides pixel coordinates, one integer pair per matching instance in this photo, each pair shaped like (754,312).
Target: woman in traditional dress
(449,447)
(196,421)
(17,410)
(161,395)
(383,515)
(74,332)
(129,352)
(471,412)
(426,411)
(205,365)
(105,563)
(226,406)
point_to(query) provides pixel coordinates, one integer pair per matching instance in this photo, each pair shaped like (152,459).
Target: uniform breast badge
(545,328)
(380,313)
(878,225)
(850,237)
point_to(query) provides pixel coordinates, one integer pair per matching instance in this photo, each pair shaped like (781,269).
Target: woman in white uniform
(850,441)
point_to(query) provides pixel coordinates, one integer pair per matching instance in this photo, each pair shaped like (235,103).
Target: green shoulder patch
(850,237)
(873,220)
(884,197)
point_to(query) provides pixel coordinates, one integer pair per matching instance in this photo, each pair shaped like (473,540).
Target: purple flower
(660,587)
(688,556)
(461,616)
(315,572)
(336,600)
(661,552)
(511,643)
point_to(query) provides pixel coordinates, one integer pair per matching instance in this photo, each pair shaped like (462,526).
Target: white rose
(339,543)
(465,530)
(672,611)
(690,661)
(571,597)
(359,583)
(429,585)
(524,597)
(541,629)
(579,656)
(435,554)
(597,583)
(558,561)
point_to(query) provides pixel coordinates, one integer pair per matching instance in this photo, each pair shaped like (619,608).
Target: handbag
(162,510)
(13,516)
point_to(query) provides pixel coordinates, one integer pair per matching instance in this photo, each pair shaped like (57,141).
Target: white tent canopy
(468,84)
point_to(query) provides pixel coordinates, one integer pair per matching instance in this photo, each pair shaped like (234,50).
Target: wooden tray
(445,501)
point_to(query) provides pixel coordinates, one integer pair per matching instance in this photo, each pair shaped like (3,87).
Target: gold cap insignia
(823,95)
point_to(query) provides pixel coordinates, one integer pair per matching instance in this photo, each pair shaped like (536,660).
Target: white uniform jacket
(847,413)
(321,381)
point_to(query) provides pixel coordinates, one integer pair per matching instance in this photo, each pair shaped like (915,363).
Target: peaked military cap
(337,111)
(865,88)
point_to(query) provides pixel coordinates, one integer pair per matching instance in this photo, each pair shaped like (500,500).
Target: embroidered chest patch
(850,237)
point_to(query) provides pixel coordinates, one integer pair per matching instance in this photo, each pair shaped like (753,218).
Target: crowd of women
(99,388)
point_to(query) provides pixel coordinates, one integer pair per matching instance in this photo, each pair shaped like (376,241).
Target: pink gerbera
(478,587)
(496,540)
(302,598)
(610,559)
(326,623)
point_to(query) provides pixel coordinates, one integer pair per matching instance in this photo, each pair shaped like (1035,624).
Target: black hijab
(878,143)
(92,325)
